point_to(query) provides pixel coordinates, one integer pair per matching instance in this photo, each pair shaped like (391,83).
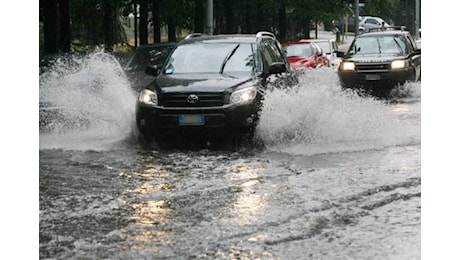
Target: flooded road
(338,177)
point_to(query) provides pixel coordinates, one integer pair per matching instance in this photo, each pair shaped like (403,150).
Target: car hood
(300,61)
(199,82)
(374,58)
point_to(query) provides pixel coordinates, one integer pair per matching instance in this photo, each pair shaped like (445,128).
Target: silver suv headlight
(399,64)
(243,96)
(149,97)
(348,65)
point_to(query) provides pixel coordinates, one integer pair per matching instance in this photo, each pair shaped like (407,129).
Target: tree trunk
(143,23)
(65,25)
(199,16)
(50,26)
(228,6)
(172,30)
(247,17)
(156,22)
(307,28)
(282,21)
(108,25)
(135,26)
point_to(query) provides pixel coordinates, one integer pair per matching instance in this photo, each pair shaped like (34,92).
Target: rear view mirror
(340,54)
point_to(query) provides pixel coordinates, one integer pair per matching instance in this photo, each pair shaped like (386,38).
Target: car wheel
(240,139)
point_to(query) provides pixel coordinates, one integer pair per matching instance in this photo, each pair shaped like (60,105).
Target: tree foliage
(83,24)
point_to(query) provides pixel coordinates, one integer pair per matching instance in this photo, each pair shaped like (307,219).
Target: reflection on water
(150,210)
(249,203)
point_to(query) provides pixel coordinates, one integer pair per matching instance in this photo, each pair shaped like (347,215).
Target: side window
(372,21)
(267,57)
(271,53)
(334,46)
(411,43)
(277,52)
(318,50)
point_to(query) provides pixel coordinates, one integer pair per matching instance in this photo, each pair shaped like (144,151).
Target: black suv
(379,60)
(212,87)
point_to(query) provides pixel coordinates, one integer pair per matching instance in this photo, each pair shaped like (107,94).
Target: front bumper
(386,79)
(160,121)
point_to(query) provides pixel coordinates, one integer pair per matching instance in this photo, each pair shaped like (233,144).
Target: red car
(305,54)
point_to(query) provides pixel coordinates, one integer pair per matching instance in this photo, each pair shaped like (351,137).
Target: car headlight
(347,65)
(245,95)
(399,64)
(149,97)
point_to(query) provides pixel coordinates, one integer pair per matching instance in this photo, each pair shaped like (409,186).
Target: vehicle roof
(383,32)
(155,45)
(298,42)
(222,38)
(319,40)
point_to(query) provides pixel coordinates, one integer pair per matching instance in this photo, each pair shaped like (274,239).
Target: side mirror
(152,70)
(340,54)
(277,67)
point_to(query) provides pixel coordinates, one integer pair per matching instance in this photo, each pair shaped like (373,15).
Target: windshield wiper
(228,58)
(399,46)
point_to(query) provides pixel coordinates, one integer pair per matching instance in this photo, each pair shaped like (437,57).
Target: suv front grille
(372,66)
(180,100)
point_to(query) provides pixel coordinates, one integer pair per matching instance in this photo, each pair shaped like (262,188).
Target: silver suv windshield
(206,57)
(387,44)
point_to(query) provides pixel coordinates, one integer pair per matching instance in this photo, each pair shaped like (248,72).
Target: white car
(369,22)
(330,49)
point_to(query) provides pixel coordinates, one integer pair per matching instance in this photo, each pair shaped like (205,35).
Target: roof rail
(390,28)
(193,35)
(263,33)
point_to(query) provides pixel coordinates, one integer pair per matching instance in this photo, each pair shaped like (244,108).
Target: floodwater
(338,177)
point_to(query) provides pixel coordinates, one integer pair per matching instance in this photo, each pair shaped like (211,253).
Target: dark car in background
(378,61)
(141,58)
(211,89)
(305,54)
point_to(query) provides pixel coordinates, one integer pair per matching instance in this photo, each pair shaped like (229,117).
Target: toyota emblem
(192,99)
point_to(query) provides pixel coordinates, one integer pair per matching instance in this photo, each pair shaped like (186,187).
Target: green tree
(50,23)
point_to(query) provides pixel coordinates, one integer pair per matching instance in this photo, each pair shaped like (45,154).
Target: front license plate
(372,77)
(191,119)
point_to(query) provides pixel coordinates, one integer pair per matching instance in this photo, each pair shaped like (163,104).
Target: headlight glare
(245,95)
(148,97)
(398,64)
(347,65)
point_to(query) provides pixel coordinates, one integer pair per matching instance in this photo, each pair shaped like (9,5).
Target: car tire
(241,138)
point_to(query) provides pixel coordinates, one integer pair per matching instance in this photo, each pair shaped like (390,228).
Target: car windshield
(325,46)
(388,44)
(205,57)
(298,50)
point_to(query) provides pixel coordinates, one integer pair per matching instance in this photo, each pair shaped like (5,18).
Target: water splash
(95,99)
(319,117)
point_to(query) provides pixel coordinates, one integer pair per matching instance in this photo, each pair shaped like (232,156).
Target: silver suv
(369,22)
